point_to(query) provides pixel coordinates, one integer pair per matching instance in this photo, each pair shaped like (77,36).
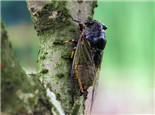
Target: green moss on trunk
(53,23)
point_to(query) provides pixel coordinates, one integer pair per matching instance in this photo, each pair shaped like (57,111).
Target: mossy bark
(52,22)
(20,93)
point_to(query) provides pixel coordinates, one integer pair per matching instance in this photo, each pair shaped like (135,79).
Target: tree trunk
(52,22)
(48,91)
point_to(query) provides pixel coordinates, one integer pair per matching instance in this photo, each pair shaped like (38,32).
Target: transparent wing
(83,67)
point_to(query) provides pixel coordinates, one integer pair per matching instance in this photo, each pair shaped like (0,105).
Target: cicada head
(95,33)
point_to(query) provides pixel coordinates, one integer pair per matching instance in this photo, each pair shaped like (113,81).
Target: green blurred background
(126,81)
(21,33)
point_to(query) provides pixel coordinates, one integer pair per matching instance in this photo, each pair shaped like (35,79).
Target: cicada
(87,56)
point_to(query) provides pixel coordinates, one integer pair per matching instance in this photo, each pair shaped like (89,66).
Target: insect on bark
(87,56)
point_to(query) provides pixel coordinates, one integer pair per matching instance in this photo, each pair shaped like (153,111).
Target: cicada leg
(73,51)
(72,54)
(78,78)
(81,27)
(65,42)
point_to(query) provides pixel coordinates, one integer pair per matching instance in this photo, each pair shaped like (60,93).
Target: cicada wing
(95,85)
(92,92)
(83,66)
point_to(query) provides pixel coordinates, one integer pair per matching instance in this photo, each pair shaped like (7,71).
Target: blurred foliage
(20,31)
(130,33)
(14,12)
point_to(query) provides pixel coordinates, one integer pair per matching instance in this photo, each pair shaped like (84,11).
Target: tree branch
(20,93)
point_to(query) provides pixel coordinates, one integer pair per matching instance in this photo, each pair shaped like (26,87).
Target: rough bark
(49,91)
(52,22)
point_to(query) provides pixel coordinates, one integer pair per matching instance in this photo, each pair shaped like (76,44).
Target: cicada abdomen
(88,56)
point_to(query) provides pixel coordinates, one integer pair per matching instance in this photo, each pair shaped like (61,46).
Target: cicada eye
(88,22)
(104,27)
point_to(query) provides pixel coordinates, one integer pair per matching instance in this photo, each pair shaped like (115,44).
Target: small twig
(76,108)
